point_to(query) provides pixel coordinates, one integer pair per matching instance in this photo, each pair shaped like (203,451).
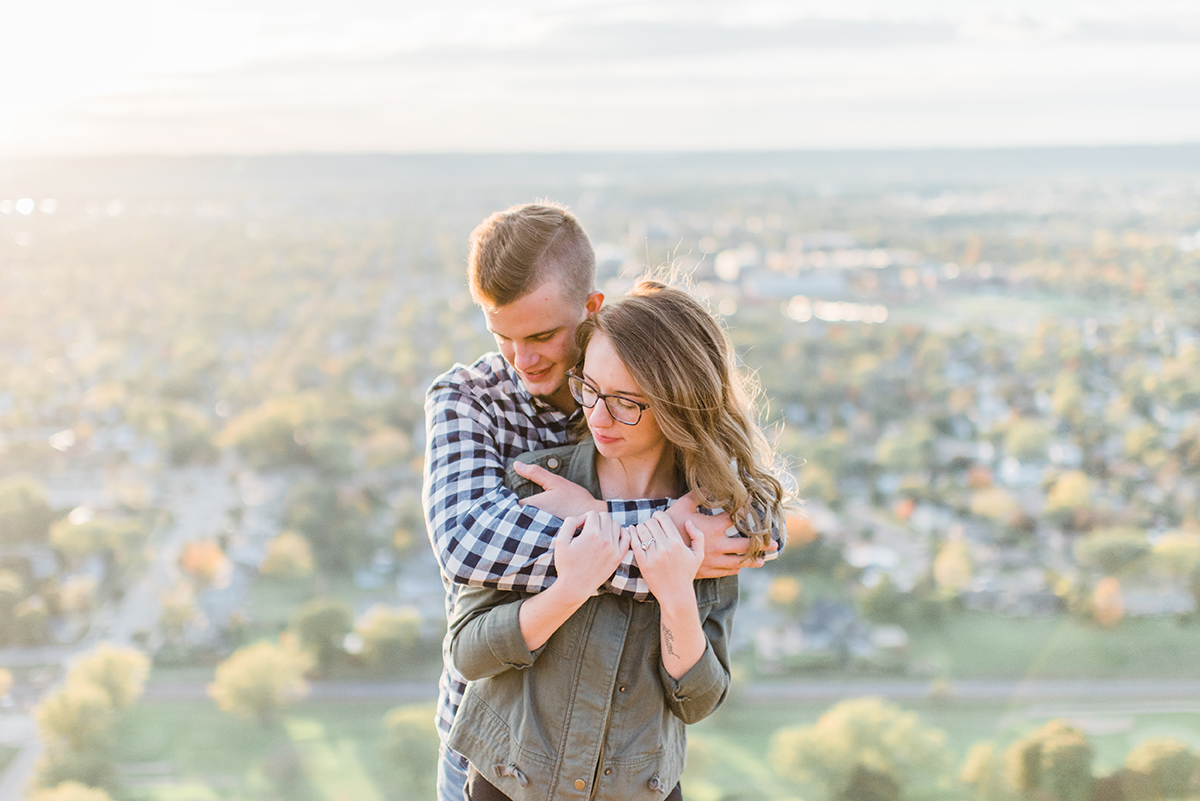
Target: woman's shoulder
(575,462)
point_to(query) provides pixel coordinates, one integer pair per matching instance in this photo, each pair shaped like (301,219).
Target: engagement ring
(646,545)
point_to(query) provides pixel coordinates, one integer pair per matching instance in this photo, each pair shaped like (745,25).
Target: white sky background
(270,76)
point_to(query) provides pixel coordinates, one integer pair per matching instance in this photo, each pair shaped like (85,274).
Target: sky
(287,76)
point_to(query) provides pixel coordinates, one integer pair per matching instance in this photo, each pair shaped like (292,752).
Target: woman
(575,694)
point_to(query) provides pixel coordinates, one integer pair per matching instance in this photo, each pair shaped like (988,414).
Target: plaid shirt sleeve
(480,535)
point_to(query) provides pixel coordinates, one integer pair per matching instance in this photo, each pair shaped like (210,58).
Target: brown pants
(480,789)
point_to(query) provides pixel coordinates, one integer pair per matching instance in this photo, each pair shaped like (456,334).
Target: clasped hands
(588,549)
(722,555)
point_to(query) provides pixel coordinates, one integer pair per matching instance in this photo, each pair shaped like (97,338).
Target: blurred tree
(410,747)
(1108,607)
(333,522)
(1052,763)
(1027,439)
(203,561)
(321,626)
(31,621)
(1142,440)
(884,602)
(906,450)
(70,791)
(1112,550)
(784,593)
(862,745)
(952,566)
(75,726)
(390,636)
(119,672)
(257,681)
(178,612)
(1176,554)
(1067,399)
(983,772)
(25,514)
(273,434)
(12,592)
(1069,500)
(120,538)
(1160,769)
(289,556)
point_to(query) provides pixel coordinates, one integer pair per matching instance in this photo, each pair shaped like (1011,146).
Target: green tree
(859,744)
(390,636)
(75,727)
(258,681)
(335,524)
(119,672)
(410,747)
(1069,499)
(983,772)
(1027,439)
(1160,769)
(273,434)
(1053,763)
(289,556)
(1112,550)
(25,515)
(31,621)
(70,791)
(321,626)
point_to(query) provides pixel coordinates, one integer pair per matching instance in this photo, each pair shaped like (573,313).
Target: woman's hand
(667,563)
(587,559)
(583,561)
(669,567)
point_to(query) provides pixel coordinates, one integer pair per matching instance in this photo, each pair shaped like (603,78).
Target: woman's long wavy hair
(683,362)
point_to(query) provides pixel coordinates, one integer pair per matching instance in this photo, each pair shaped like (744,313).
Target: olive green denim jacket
(592,714)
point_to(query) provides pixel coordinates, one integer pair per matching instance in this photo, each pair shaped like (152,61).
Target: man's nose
(524,357)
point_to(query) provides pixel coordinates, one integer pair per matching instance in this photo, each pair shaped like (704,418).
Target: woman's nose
(598,415)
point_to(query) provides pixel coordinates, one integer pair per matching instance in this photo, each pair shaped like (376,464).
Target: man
(533,272)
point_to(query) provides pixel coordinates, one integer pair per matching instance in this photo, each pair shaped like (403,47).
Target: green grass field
(976,645)
(189,751)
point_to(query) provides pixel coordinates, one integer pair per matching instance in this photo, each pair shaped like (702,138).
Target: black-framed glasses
(620,408)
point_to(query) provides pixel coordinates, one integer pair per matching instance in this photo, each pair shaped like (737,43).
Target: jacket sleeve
(485,633)
(699,692)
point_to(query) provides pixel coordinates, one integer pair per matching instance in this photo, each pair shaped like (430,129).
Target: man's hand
(561,498)
(723,555)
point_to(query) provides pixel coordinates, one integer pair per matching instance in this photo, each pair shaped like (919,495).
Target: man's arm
(481,536)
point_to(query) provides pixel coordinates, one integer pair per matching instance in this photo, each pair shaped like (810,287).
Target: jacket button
(553,464)
(608,771)
(580,784)
(621,688)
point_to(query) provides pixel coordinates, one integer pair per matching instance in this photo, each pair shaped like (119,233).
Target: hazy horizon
(364,76)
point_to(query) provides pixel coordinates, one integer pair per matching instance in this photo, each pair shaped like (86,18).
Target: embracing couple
(574,488)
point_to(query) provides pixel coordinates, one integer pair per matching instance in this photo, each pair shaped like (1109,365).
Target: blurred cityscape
(982,368)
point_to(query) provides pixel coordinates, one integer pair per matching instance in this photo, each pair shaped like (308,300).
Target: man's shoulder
(487,375)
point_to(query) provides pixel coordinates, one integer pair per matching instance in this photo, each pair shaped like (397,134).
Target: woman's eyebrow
(625,393)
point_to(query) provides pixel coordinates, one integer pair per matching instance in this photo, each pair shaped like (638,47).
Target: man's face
(536,335)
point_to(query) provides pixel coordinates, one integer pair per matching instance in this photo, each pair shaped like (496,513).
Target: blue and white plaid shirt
(477,419)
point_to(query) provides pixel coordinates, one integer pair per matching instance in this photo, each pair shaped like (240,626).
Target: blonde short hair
(683,362)
(513,252)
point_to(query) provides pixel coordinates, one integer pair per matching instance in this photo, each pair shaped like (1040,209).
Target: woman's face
(604,370)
